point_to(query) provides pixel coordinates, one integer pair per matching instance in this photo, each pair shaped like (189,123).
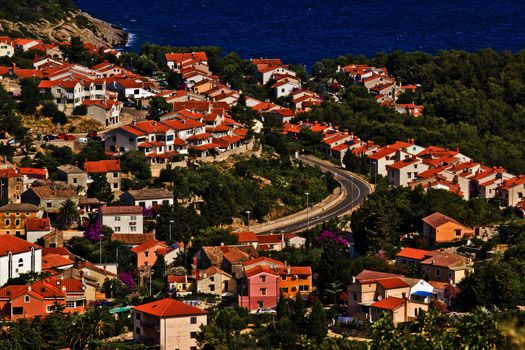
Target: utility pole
(100,248)
(171,222)
(248,214)
(150,274)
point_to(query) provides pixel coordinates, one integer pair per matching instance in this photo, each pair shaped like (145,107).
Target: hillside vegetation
(35,10)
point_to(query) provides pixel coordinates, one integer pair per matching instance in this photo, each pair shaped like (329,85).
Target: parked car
(92,133)
(48,138)
(83,139)
(129,104)
(64,136)
(142,108)
(267,311)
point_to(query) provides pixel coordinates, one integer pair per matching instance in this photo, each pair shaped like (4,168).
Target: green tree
(136,163)
(99,188)
(317,324)
(68,214)
(30,95)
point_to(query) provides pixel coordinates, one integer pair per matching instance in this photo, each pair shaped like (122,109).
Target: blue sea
(306,31)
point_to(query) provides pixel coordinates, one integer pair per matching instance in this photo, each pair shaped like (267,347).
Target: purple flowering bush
(127,279)
(94,231)
(329,235)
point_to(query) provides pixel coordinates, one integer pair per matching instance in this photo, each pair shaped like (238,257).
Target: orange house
(439,228)
(147,253)
(38,299)
(294,279)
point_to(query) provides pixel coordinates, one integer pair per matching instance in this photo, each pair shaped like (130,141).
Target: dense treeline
(391,212)
(34,10)
(474,101)
(258,185)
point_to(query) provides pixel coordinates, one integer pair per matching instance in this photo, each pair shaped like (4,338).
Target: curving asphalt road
(355,188)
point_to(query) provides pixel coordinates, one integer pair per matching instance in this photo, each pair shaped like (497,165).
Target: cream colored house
(215,281)
(168,324)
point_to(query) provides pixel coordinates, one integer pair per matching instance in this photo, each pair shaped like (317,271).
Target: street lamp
(100,248)
(248,213)
(307,194)
(171,222)
(150,274)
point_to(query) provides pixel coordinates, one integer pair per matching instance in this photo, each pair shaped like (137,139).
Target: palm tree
(334,289)
(94,324)
(67,214)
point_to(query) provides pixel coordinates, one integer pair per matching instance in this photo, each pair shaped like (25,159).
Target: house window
(115,185)
(48,205)
(212,288)
(115,174)
(132,229)
(137,330)
(17,222)
(284,277)
(438,272)
(20,262)
(8,222)
(260,304)
(116,229)
(137,316)
(49,309)
(75,180)
(355,296)
(70,304)
(263,291)
(27,299)
(284,290)
(133,218)
(193,320)
(263,279)
(146,254)
(193,335)
(117,218)
(18,311)
(303,288)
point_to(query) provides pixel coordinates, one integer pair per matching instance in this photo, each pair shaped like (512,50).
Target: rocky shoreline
(78,23)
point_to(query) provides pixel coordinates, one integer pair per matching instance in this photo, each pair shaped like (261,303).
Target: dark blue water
(305,31)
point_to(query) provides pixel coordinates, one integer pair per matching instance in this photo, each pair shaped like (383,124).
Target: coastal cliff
(74,23)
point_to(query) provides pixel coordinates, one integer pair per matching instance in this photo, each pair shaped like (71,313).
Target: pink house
(259,290)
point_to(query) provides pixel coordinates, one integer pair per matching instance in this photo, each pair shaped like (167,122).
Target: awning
(422,293)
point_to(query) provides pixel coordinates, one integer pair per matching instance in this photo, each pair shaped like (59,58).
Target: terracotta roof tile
(169,308)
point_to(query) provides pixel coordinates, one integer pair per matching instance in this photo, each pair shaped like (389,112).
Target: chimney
(222,244)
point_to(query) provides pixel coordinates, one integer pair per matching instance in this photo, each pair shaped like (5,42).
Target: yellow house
(13,218)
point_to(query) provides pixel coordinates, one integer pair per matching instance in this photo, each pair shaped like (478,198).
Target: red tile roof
(15,245)
(179,279)
(370,274)
(260,269)
(147,245)
(169,308)
(121,209)
(444,259)
(33,171)
(36,224)
(102,166)
(246,237)
(132,238)
(403,163)
(412,253)
(390,303)
(382,153)
(262,259)
(437,219)
(51,261)
(182,56)
(392,283)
